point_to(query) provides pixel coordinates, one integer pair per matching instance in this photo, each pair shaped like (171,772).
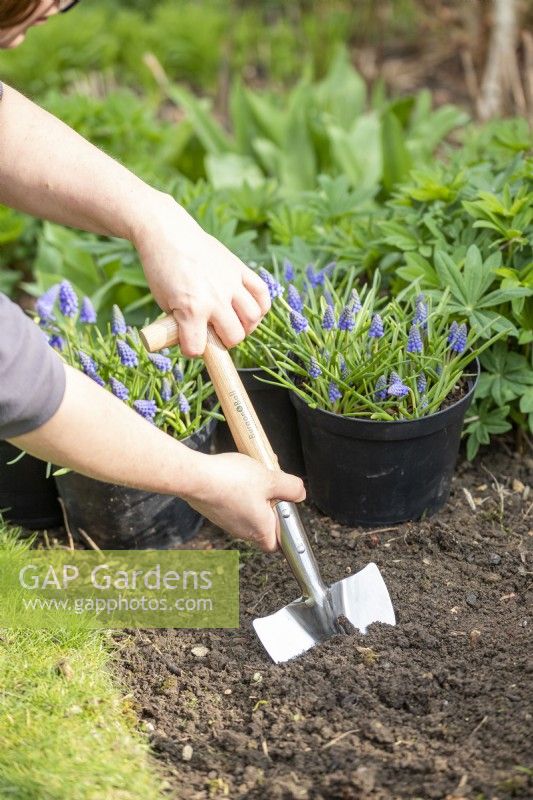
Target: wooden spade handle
(247,431)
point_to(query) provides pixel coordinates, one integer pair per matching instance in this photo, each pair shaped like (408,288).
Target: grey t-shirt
(32,375)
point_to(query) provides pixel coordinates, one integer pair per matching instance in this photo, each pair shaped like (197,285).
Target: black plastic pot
(273,406)
(118,518)
(366,472)
(27,497)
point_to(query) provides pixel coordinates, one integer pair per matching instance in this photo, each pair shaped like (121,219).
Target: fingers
(247,310)
(267,539)
(228,326)
(192,328)
(287,487)
(258,289)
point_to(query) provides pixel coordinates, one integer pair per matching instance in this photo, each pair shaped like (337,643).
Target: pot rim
(363,421)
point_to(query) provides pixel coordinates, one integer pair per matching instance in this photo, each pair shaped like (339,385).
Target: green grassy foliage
(66,729)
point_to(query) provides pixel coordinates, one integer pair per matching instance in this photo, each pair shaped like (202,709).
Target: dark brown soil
(437,707)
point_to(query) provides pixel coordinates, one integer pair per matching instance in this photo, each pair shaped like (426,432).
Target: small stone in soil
(474,636)
(186,753)
(494,559)
(200,652)
(471,599)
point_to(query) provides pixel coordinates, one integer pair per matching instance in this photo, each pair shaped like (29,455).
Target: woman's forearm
(48,170)
(97,435)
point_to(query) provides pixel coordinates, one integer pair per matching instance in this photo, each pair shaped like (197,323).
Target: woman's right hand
(236,492)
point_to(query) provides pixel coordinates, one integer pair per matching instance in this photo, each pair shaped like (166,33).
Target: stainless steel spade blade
(362,598)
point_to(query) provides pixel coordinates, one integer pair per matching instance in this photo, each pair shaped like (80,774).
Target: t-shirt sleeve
(32,375)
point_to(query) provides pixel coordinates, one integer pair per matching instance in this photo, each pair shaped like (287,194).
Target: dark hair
(13,12)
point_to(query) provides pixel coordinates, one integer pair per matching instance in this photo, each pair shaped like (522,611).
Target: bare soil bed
(437,707)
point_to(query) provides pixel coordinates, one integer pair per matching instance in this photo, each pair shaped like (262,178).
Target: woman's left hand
(198,279)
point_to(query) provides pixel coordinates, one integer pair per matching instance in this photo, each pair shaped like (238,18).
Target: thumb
(288,487)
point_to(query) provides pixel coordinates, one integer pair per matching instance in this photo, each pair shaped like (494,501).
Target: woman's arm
(48,170)
(98,435)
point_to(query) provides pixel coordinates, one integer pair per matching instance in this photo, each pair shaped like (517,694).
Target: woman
(55,412)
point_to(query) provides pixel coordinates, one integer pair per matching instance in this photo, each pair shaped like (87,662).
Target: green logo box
(120,589)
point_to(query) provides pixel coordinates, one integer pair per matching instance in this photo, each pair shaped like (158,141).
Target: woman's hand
(198,279)
(236,493)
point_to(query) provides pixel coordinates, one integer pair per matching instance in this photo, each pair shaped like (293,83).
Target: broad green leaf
(12,225)
(243,123)
(269,155)
(504,295)
(230,170)
(526,401)
(450,275)
(211,134)
(269,117)
(357,153)
(419,270)
(342,93)
(396,158)
(298,162)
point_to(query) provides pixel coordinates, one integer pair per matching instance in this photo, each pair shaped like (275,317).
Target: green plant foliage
(317,127)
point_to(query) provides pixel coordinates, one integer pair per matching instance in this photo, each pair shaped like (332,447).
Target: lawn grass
(67,732)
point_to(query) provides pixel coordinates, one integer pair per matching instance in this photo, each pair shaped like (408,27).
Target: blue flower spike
(45,304)
(294,299)
(380,392)
(397,387)
(314,370)
(452,333)
(178,373)
(414,342)
(334,393)
(288,270)
(166,391)
(118,389)
(56,342)
(161,363)
(87,313)
(421,383)
(355,301)
(376,327)
(421,312)
(88,365)
(299,323)
(128,357)
(347,319)
(183,404)
(328,320)
(342,365)
(118,323)
(68,299)
(146,408)
(275,289)
(315,279)
(458,344)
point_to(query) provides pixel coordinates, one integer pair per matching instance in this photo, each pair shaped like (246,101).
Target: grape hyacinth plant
(354,354)
(295,284)
(164,388)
